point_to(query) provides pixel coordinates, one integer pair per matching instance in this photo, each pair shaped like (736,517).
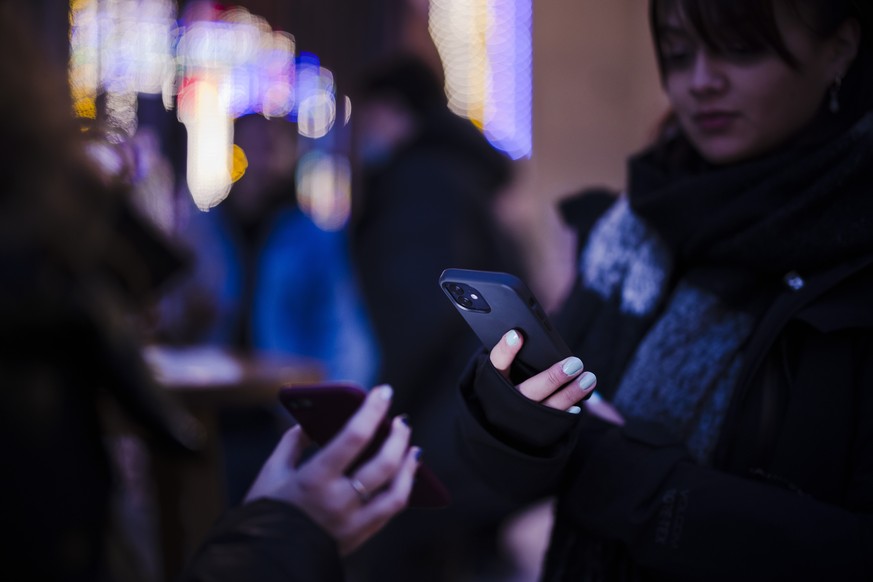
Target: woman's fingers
(280,465)
(548,383)
(379,471)
(350,508)
(505,351)
(561,386)
(372,516)
(335,457)
(573,392)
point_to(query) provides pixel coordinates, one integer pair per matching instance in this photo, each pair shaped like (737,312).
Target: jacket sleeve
(691,522)
(267,541)
(516,445)
(635,485)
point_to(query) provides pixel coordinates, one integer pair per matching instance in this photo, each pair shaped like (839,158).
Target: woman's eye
(743,52)
(738,50)
(676,57)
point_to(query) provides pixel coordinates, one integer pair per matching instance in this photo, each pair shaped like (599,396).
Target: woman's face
(739,103)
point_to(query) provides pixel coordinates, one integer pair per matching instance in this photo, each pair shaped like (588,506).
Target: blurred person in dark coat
(427,202)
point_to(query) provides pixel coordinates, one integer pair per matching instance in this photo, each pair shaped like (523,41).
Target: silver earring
(834,104)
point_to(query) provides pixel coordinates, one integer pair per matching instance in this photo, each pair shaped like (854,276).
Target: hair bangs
(724,26)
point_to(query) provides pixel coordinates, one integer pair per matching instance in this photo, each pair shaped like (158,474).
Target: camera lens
(465,301)
(456,289)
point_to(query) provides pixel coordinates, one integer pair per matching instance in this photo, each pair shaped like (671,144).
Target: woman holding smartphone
(724,302)
(77,267)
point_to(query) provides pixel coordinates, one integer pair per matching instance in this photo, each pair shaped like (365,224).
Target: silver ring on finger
(359,489)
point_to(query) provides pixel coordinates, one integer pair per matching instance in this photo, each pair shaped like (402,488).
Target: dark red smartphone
(323,409)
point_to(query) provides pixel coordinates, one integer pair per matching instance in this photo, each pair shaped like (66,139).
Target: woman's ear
(844,46)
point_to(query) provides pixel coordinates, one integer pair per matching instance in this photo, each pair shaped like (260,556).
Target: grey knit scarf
(683,371)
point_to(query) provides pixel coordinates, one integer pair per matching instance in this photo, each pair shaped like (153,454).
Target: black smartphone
(492,303)
(323,409)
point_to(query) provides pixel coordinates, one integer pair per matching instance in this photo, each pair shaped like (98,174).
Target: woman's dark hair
(752,23)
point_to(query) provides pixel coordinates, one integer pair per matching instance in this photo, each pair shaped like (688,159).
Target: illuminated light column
(210,142)
(485,47)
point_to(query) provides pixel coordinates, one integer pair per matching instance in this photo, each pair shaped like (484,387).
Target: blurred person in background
(78,266)
(266,278)
(429,185)
(212,305)
(724,302)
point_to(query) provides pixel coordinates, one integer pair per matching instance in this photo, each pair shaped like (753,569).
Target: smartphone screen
(322,410)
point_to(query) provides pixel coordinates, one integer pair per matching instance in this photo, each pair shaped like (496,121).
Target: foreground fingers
(272,479)
(379,471)
(367,519)
(357,433)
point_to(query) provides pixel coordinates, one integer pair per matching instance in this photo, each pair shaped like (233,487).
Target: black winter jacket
(266,540)
(790,492)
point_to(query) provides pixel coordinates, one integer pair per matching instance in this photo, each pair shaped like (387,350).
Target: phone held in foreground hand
(323,409)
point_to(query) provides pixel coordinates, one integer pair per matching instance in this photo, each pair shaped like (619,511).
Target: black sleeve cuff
(266,540)
(517,421)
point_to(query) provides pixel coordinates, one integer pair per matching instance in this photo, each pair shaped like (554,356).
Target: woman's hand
(350,508)
(560,386)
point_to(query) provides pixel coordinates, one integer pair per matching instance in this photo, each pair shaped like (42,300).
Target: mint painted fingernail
(385,392)
(587,380)
(571,365)
(574,410)
(512,338)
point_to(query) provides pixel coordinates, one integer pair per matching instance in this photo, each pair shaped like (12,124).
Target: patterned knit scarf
(699,256)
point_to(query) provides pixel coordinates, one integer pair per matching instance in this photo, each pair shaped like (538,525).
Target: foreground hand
(350,508)
(560,386)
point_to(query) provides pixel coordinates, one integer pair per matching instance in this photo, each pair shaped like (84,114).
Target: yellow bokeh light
(86,108)
(240,163)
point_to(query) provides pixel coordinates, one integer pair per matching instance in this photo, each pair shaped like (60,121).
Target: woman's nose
(707,75)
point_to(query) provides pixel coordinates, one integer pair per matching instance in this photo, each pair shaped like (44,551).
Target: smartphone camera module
(467,297)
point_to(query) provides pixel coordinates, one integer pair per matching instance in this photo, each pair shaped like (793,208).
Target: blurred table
(190,490)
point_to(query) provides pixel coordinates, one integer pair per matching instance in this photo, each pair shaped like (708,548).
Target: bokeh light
(316,111)
(324,188)
(205,114)
(215,64)
(486,50)
(120,48)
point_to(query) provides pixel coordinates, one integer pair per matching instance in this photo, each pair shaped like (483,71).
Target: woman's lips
(714,121)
